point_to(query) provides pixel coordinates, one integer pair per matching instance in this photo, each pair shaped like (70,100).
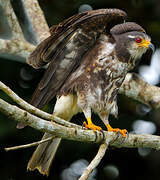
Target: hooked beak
(147,44)
(152,47)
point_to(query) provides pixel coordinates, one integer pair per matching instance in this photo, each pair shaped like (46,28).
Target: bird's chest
(112,67)
(106,80)
(103,92)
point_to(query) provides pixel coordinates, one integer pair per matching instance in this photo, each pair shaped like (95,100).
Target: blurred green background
(126,164)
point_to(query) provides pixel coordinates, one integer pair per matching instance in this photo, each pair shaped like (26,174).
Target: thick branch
(136,88)
(76,134)
(12,19)
(17,45)
(37,19)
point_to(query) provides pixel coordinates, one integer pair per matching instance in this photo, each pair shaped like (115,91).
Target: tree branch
(136,88)
(94,163)
(77,134)
(12,19)
(133,87)
(32,109)
(37,20)
(28,145)
(17,45)
(72,130)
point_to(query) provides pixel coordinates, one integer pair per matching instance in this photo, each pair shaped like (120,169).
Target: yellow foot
(123,132)
(90,125)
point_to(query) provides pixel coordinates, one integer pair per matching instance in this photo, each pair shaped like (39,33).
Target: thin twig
(94,163)
(28,145)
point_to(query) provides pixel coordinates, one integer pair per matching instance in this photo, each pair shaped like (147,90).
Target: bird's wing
(65,48)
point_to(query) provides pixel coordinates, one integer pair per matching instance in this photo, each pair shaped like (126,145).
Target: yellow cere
(144,43)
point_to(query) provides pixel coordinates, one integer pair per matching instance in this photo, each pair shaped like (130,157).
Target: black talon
(124,138)
(127,135)
(103,135)
(96,136)
(118,135)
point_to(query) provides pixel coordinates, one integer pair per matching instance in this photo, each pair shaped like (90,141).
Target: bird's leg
(90,125)
(83,104)
(104,117)
(123,132)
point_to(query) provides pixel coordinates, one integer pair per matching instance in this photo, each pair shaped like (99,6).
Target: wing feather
(66,47)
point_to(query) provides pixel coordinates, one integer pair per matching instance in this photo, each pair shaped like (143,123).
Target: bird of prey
(89,55)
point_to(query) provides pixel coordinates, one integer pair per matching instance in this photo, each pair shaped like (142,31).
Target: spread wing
(66,47)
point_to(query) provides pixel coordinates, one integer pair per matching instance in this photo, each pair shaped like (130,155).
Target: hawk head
(131,41)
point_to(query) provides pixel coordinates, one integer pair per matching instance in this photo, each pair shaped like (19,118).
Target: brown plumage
(89,54)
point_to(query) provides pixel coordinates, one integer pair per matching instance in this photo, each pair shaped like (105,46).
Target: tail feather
(65,108)
(44,154)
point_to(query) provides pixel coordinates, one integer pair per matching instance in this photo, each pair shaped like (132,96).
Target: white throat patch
(137,53)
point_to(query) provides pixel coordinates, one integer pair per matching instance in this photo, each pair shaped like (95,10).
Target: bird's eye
(138,40)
